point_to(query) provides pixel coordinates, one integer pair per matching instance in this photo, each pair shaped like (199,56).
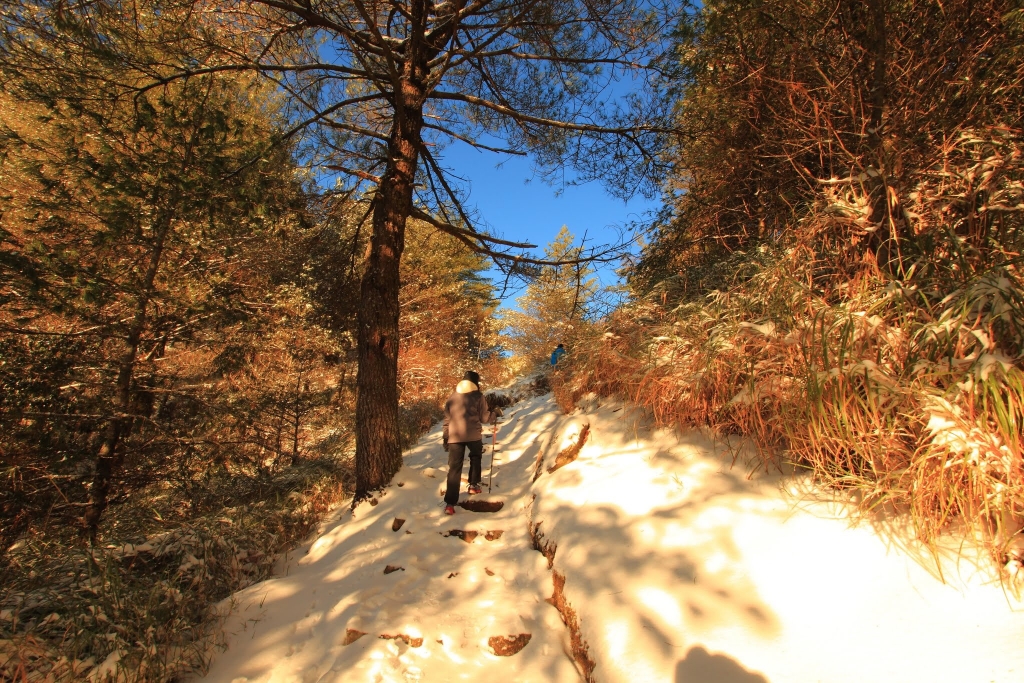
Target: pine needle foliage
(448,325)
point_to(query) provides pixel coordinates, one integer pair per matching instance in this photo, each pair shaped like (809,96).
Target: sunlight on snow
(678,535)
(616,636)
(716,562)
(529,436)
(606,487)
(446,645)
(662,603)
(624,649)
(665,549)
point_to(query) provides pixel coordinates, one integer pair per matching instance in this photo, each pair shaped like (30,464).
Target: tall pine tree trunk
(378,451)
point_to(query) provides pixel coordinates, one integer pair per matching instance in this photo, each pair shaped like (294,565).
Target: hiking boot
(475,489)
(449,510)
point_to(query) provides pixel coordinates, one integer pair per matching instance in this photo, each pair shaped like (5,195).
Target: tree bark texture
(378,450)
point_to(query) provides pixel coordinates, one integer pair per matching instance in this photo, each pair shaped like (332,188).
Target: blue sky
(515,205)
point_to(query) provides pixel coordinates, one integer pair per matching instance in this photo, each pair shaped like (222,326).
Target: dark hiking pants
(456,457)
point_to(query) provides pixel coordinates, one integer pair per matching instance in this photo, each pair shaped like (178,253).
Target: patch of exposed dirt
(579,646)
(570,453)
(542,545)
(566,456)
(580,649)
(506,646)
(409,640)
(538,465)
(466,536)
(351,636)
(482,505)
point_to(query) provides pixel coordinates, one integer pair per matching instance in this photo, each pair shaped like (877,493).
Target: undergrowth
(145,604)
(142,607)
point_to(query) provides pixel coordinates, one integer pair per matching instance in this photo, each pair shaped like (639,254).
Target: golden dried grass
(906,391)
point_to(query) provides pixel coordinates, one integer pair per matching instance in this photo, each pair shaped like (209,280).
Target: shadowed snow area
(679,567)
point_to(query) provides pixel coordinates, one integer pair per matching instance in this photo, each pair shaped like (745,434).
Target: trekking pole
(494,441)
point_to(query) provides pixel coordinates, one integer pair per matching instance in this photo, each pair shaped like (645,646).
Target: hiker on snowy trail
(465,414)
(557,354)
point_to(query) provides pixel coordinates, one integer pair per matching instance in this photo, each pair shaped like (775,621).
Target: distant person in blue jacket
(556,354)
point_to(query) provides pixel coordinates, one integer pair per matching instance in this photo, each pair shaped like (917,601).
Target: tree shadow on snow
(700,666)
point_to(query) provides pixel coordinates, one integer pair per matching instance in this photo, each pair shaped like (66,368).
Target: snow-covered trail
(676,566)
(434,617)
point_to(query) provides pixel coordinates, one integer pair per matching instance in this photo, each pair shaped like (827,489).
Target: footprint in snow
(482,505)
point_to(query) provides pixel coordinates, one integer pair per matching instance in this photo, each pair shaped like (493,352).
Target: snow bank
(681,567)
(520,389)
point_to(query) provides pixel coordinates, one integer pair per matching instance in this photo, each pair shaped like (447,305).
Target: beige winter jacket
(465,413)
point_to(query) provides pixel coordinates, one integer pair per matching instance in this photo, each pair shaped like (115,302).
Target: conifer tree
(555,305)
(382,85)
(376,88)
(125,218)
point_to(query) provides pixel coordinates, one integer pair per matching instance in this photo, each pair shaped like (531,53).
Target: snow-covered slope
(682,568)
(431,620)
(671,564)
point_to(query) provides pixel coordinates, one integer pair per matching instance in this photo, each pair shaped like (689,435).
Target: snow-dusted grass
(681,567)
